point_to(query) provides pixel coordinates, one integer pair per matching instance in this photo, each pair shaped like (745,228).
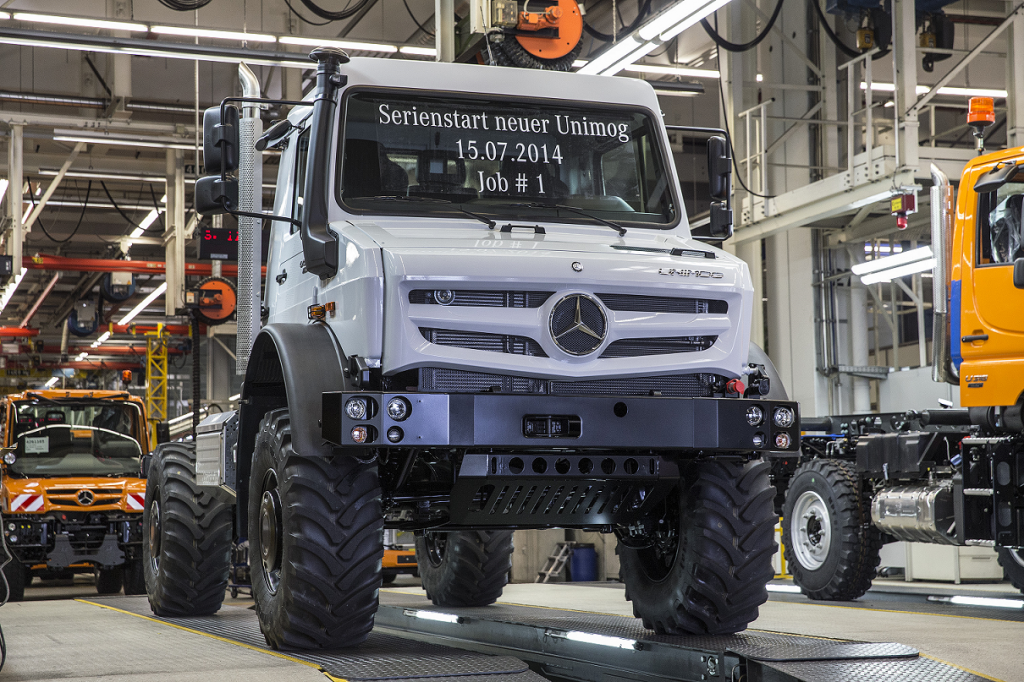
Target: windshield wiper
(536,204)
(402,197)
(487,221)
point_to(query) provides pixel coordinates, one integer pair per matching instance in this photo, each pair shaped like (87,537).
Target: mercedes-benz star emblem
(85,497)
(578,324)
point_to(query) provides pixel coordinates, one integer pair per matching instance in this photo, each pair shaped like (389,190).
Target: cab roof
(58,394)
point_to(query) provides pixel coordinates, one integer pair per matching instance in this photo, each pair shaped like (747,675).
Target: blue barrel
(583,564)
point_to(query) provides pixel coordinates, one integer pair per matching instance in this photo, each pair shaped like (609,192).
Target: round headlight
(783,417)
(360,434)
(398,408)
(755,415)
(758,440)
(12,538)
(10,457)
(395,434)
(355,408)
(444,296)
(782,440)
(11,526)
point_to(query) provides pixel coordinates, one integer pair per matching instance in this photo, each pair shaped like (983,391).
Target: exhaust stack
(250,199)
(943,369)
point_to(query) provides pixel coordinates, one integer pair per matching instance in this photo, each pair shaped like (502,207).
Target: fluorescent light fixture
(210,33)
(155,294)
(8,294)
(892,261)
(771,587)
(961,600)
(144,225)
(682,14)
(579,63)
(603,640)
(902,271)
(5,15)
(882,248)
(343,44)
(125,140)
(432,615)
(235,397)
(417,50)
(760,77)
(103,337)
(81,356)
(948,90)
(185,416)
(674,71)
(79,21)
(51,382)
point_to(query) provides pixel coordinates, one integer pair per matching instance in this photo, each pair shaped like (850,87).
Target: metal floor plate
(381,657)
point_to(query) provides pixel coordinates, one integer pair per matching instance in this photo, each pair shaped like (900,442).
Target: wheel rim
(436,544)
(811,530)
(1018,556)
(154,535)
(658,560)
(270,532)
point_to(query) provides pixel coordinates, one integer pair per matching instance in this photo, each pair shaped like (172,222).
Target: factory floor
(56,634)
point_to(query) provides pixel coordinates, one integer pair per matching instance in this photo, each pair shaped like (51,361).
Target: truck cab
(72,496)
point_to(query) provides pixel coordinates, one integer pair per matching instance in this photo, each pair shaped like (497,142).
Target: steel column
(905,61)
(15,188)
(444,30)
(41,204)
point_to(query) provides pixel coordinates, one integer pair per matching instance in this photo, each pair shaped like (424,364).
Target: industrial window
(1000,233)
(301,154)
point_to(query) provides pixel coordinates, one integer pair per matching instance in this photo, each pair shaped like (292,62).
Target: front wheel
(709,554)
(1012,561)
(17,576)
(134,577)
(109,580)
(830,545)
(316,538)
(464,568)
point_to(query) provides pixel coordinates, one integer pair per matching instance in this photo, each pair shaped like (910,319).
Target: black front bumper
(544,422)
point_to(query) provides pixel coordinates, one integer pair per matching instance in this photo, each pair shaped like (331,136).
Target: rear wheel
(464,568)
(710,553)
(1012,561)
(316,537)
(17,577)
(109,580)
(134,577)
(186,548)
(831,548)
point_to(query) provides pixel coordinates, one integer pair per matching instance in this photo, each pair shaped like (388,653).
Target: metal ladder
(556,562)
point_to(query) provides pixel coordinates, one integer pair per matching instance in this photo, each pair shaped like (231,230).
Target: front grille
(663,304)
(440,380)
(484,299)
(69,496)
(493,343)
(632,348)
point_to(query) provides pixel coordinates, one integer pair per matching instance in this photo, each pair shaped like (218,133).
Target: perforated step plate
(382,657)
(594,647)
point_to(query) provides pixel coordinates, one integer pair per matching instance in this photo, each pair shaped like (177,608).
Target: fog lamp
(360,434)
(759,440)
(782,440)
(755,415)
(355,408)
(783,417)
(398,408)
(395,434)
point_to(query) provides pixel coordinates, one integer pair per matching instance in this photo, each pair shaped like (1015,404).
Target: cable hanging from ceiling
(415,20)
(643,11)
(185,5)
(751,44)
(304,19)
(333,16)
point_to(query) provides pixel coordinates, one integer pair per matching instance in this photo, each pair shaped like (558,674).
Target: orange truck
(72,496)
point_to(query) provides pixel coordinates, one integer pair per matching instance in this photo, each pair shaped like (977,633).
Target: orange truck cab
(72,497)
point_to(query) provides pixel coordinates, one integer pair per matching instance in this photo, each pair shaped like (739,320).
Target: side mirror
(1018,273)
(719,168)
(220,140)
(214,196)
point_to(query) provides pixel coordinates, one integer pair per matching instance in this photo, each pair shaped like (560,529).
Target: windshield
(75,439)
(429,155)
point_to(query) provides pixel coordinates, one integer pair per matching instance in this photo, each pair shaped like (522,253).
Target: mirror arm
(264,216)
(254,100)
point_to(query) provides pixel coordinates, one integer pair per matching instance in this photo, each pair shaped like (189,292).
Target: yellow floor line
(960,667)
(218,638)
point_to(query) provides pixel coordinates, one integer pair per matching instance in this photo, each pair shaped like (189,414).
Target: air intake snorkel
(319,244)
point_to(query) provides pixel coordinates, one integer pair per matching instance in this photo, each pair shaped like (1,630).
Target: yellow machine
(72,497)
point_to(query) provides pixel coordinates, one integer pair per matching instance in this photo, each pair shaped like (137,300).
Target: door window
(1000,234)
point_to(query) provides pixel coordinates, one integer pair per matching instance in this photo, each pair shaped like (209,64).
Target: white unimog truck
(484,311)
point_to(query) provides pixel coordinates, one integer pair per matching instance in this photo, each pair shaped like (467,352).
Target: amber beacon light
(980,115)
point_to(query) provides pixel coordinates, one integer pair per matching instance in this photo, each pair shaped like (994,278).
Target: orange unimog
(72,496)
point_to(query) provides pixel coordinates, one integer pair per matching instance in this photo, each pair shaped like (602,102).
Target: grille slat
(493,343)
(631,348)
(483,299)
(436,379)
(662,304)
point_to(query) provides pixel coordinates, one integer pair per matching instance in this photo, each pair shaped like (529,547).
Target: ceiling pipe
(45,262)
(18,332)
(91,103)
(39,301)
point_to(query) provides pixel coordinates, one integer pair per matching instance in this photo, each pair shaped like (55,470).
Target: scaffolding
(156,380)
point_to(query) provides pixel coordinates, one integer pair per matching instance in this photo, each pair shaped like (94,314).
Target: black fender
(290,365)
(757,356)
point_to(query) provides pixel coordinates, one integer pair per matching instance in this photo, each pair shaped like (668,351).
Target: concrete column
(291,84)
(174,237)
(444,29)
(1015,82)
(16,180)
(750,252)
(791,323)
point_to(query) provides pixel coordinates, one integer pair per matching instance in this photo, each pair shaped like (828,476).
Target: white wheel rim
(810,530)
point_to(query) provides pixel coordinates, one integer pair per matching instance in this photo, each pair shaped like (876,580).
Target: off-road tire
(109,580)
(134,577)
(187,529)
(852,555)
(388,578)
(472,569)
(714,579)
(1012,561)
(17,578)
(321,590)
